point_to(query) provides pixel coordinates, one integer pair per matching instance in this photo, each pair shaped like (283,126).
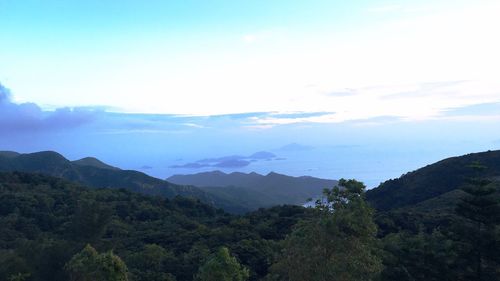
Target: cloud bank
(480,109)
(29,117)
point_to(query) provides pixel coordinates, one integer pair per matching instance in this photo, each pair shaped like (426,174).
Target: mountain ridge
(54,164)
(434,180)
(94,162)
(258,190)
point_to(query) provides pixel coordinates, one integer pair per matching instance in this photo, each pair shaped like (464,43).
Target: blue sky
(217,57)
(165,83)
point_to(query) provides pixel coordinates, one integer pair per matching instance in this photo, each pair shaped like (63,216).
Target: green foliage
(433,181)
(152,264)
(221,266)
(479,231)
(420,256)
(84,265)
(88,265)
(254,190)
(93,173)
(112,268)
(337,244)
(12,266)
(45,221)
(19,277)
(460,243)
(90,220)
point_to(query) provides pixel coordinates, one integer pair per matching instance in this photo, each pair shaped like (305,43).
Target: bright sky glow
(359,59)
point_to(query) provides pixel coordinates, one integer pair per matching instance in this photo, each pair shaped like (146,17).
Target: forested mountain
(9,154)
(442,222)
(94,173)
(44,221)
(255,190)
(439,182)
(236,192)
(93,162)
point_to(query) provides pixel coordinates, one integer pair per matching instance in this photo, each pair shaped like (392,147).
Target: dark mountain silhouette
(8,154)
(255,190)
(94,173)
(94,162)
(436,185)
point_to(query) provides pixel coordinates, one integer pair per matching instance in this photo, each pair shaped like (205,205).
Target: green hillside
(96,174)
(235,193)
(93,162)
(254,190)
(433,181)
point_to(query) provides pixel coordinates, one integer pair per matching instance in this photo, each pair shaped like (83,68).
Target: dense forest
(53,229)
(44,221)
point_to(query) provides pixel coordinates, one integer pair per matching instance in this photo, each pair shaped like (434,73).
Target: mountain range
(275,189)
(94,173)
(258,190)
(434,186)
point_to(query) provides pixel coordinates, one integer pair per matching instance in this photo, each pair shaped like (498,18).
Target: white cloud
(193,125)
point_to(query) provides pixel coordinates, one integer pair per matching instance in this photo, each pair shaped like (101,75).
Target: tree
(479,229)
(221,266)
(12,266)
(420,256)
(337,244)
(90,220)
(89,265)
(19,277)
(151,264)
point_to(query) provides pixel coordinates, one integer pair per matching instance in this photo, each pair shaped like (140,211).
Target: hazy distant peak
(295,147)
(271,174)
(238,174)
(255,190)
(93,162)
(215,172)
(247,176)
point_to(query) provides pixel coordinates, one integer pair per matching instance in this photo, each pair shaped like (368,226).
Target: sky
(168,83)
(219,57)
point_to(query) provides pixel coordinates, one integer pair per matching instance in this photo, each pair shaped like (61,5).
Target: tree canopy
(221,266)
(338,243)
